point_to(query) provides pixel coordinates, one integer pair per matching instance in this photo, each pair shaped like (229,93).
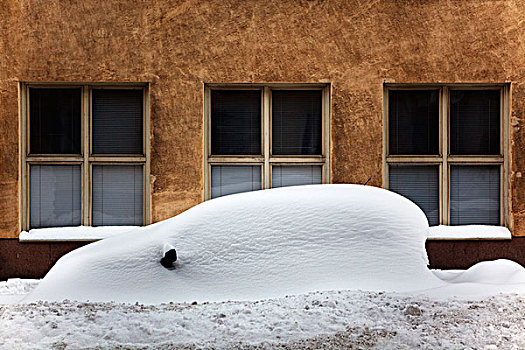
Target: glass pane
(236,122)
(474,194)
(54,195)
(474,122)
(229,179)
(420,184)
(117,121)
(413,122)
(294,175)
(117,195)
(54,121)
(296,122)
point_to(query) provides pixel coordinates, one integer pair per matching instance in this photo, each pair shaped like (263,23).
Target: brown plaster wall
(177,46)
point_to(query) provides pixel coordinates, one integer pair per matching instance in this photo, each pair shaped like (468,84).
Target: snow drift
(257,245)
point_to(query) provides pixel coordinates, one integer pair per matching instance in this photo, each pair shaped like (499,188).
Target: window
(446,150)
(264,136)
(84,155)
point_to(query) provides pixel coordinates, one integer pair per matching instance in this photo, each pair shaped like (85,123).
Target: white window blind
(420,184)
(117,195)
(475,194)
(294,175)
(54,195)
(229,179)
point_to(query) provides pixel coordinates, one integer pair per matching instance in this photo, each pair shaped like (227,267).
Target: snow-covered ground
(332,266)
(317,320)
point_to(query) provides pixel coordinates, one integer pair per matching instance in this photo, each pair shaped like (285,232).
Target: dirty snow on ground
(329,320)
(469,232)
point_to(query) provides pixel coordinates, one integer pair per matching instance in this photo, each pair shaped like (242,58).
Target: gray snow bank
(323,320)
(257,245)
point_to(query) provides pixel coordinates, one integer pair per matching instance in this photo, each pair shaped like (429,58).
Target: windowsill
(468,232)
(73,234)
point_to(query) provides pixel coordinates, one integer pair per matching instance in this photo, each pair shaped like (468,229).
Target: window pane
(54,195)
(117,121)
(420,184)
(229,179)
(54,121)
(235,122)
(413,122)
(117,195)
(296,122)
(474,122)
(474,194)
(294,175)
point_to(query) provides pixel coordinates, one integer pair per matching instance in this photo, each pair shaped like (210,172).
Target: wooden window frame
(266,160)
(85,159)
(444,160)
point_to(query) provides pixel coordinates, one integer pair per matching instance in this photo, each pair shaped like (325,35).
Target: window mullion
(325,132)
(86,150)
(24,112)
(207,143)
(504,140)
(266,137)
(414,159)
(445,215)
(234,159)
(476,159)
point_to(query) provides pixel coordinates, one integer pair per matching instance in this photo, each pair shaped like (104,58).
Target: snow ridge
(324,320)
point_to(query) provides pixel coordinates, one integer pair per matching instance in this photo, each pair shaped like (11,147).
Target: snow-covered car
(256,245)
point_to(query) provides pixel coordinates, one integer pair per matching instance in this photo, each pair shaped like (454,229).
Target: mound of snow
(13,290)
(257,245)
(17,286)
(484,279)
(498,272)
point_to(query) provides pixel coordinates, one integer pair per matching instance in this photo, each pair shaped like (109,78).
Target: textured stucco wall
(179,45)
